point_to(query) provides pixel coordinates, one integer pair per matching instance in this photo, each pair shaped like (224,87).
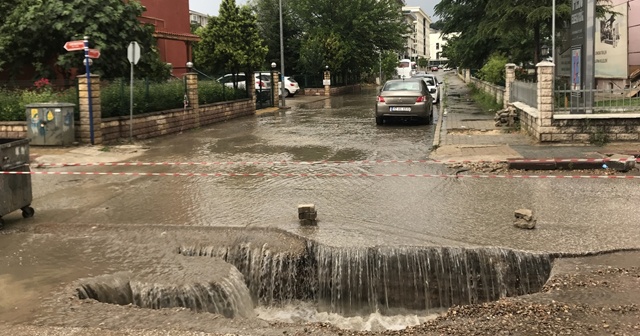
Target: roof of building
(176,36)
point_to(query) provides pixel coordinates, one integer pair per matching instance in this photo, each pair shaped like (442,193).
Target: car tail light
(380,99)
(421,99)
(291,84)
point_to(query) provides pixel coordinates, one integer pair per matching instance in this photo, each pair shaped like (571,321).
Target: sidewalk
(467,133)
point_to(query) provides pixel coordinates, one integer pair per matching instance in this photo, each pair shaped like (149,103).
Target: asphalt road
(573,215)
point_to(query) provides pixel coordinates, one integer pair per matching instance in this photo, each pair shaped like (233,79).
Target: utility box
(51,124)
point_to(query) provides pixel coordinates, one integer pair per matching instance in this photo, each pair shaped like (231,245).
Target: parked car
(405,98)
(261,81)
(433,85)
(291,87)
(434,68)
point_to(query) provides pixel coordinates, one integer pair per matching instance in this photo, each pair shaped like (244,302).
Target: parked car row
(262,82)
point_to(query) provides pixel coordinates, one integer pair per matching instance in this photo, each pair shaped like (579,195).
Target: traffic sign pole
(133,55)
(88,70)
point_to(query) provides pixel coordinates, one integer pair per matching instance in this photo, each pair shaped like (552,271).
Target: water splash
(228,297)
(358,281)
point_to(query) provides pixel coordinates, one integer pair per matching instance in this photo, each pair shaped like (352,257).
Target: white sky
(211,6)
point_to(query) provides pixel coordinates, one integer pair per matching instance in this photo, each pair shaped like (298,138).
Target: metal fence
(524,92)
(596,101)
(148,96)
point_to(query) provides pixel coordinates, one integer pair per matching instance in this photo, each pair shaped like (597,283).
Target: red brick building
(173,31)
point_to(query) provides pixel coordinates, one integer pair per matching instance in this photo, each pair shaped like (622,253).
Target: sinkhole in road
(355,288)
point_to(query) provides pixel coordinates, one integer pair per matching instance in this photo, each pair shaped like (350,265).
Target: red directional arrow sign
(74,45)
(94,53)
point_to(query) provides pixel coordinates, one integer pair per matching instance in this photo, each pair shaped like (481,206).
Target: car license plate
(400,109)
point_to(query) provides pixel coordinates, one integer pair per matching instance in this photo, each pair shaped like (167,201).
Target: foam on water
(303,312)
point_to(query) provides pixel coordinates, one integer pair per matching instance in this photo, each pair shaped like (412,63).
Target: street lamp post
(553,32)
(274,87)
(282,103)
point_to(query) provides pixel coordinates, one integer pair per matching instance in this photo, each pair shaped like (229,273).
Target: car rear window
(292,80)
(402,86)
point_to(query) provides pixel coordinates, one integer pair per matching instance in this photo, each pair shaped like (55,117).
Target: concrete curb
(553,164)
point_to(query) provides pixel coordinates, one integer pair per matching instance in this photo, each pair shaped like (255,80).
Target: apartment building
(198,18)
(417,45)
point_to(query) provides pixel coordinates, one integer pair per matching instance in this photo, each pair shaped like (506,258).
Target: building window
(437,46)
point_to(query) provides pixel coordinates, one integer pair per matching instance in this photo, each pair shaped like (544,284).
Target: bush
(213,92)
(147,97)
(493,71)
(485,101)
(13,102)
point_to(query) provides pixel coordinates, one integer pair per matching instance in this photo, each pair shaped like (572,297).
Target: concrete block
(624,163)
(303,208)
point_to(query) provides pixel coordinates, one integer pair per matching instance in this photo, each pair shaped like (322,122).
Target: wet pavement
(573,215)
(81,220)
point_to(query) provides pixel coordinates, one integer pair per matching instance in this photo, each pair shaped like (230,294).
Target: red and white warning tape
(319,175)
(325,162)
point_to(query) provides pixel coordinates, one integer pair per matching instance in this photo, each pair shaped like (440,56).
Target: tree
(33,32)
(345,35)
(438,25)
(230,41)
(423,62)
(515,28)
(268,14)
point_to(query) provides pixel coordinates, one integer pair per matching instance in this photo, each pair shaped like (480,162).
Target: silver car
(404,98)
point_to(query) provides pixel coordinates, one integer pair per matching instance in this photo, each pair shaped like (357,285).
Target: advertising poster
(611,44)
(576,69)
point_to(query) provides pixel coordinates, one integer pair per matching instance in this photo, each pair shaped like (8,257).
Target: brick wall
(174,121)
(153,124)
(13,129)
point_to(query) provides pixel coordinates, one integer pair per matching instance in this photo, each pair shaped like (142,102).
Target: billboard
(611,44)
(611,47)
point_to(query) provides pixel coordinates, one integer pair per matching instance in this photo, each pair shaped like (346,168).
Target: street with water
(399,237)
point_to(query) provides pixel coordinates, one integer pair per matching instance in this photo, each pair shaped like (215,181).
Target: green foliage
(213,92)
(13,102)
(494,70)
(389,63)
(230,41)
(517,28)
(33,32)
(345,35)
(268,14)
(423,62)
(148,96)
(487,102)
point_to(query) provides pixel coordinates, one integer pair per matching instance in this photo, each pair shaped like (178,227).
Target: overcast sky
(211,6)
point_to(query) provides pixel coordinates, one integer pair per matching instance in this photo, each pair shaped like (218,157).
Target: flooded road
(87,226)
(573,215)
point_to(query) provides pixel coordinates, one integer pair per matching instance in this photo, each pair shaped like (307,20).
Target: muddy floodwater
(227,253)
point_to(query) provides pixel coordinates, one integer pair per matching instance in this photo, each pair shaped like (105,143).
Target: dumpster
(51,124)
(15,189)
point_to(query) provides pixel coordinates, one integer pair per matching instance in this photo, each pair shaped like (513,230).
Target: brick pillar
(192,89)
(275,78)
(327,88)
(251,91)
(191,82)
(545,93)
(510,76)
(84,133)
